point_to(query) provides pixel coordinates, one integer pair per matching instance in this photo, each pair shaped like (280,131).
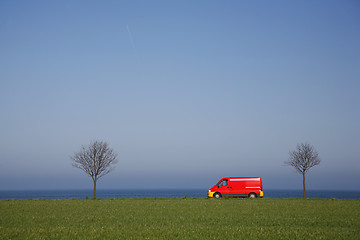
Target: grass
(180,219)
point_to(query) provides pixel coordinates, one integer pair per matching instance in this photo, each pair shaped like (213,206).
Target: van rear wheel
(217,195)
(252,195)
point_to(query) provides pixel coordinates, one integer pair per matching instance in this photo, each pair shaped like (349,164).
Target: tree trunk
(94,188)
(304,185)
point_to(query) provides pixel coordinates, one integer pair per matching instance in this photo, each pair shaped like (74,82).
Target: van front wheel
(252,195)
(217,195)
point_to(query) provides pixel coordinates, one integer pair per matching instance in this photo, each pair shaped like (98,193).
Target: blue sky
(185,92)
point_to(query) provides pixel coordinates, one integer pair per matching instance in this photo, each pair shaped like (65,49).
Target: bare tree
(96,160)
(302,159)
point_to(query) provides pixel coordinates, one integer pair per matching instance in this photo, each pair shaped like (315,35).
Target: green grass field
(180,219)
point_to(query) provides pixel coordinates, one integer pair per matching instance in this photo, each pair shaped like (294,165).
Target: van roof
(240,177)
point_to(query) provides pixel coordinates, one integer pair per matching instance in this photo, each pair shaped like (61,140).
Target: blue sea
(166,193)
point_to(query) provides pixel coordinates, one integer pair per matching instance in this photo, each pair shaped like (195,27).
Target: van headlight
(209,190)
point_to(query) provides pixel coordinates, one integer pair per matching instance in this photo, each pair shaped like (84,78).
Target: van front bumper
(211,194)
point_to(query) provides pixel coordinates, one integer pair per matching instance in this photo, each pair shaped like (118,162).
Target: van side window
(223,183)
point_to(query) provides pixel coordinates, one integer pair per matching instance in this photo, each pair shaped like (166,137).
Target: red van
(237,187)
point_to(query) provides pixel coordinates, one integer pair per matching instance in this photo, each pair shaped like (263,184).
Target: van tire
(252,195)
(217,195)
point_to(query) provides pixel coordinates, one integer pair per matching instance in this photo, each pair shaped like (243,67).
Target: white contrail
(132,41)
